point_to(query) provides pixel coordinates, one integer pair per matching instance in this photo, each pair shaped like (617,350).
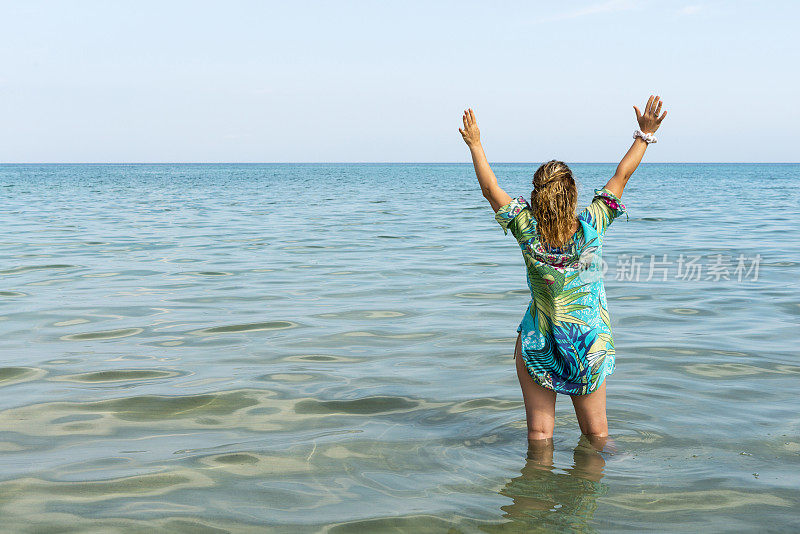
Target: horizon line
(382,163)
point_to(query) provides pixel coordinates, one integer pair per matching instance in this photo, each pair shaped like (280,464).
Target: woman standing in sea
(564,342)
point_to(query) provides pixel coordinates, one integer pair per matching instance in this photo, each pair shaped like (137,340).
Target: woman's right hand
(650,121)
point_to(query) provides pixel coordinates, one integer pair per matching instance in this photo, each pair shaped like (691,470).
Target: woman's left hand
(470,133)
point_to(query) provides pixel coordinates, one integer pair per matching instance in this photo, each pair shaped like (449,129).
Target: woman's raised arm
(486,178)
(648,123)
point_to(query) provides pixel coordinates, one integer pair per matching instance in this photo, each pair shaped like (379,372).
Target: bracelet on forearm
(646,137)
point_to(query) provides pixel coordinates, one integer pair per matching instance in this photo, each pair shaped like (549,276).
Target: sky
(387,81)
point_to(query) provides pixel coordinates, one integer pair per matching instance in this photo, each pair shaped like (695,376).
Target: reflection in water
(548,497)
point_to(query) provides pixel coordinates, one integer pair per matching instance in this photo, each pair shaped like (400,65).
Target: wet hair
(553,200)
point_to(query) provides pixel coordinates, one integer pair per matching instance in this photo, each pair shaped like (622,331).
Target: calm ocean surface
(328,348)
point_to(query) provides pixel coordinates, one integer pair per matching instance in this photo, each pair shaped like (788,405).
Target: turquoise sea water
(328,348)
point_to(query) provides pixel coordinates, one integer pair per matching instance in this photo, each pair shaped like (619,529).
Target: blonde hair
(553,200)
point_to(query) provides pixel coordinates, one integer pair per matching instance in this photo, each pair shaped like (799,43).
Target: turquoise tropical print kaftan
(567,345)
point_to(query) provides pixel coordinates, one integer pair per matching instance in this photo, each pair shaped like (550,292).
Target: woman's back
(566,332)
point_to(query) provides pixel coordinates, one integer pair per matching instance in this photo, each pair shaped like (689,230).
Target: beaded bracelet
(646,137)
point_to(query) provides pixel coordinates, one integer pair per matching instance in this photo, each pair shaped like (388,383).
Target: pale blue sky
(387,81)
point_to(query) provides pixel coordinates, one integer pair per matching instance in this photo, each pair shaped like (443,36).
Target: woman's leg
(591,412)
(540,402)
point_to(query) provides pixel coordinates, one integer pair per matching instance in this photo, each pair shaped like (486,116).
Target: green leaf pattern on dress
(566,333)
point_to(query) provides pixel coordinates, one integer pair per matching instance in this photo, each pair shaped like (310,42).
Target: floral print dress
(567,345)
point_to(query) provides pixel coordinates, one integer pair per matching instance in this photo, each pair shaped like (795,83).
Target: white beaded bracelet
(646,137)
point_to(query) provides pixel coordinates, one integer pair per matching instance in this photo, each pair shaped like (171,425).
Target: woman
(564,339)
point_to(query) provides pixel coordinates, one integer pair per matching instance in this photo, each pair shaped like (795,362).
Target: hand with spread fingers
(470,133)
(650,121)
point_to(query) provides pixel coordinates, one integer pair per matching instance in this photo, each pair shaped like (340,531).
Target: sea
(302,348)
